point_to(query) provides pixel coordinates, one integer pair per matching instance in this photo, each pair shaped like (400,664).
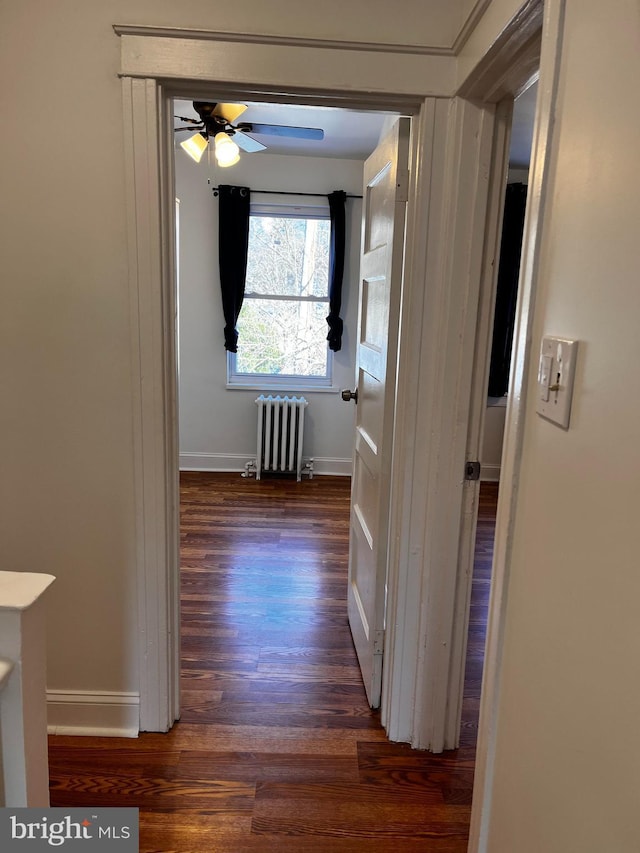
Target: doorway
(521,139)
(453,140)
(217,414)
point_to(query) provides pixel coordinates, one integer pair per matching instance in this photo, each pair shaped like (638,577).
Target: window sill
(284,389)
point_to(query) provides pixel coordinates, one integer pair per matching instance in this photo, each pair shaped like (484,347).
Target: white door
(384,209)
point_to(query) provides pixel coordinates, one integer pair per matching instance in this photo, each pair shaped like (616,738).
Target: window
(282,326)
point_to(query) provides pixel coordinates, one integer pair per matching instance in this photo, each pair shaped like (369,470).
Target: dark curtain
(507,288)
(337,201)
(233,243)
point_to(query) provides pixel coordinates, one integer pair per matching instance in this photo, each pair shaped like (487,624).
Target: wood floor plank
(264,766)
(277,749)
(113,790)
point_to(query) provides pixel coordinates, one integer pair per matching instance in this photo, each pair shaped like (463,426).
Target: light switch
(555,379)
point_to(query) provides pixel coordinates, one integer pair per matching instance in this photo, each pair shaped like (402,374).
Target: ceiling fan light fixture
(227,152)
(195,146)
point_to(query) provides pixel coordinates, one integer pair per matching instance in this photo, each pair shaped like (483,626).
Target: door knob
(350,395)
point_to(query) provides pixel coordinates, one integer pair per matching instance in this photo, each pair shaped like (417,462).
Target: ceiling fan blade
(247,143)
(229,112)
(283,130)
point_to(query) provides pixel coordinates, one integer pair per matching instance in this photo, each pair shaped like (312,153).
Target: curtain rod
(284,192)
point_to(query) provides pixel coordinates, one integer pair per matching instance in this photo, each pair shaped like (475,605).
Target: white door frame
(157,65)
(451,154)
(510,67)
(438,330)
(549,66)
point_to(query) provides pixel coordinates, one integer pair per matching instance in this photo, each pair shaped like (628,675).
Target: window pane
(288,256)
(282,337)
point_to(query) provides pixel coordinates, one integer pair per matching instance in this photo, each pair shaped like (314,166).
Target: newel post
(23,704)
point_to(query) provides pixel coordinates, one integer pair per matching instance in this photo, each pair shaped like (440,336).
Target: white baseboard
(333,467)
(489,473)
(94,713)
(225,462)
(213,462)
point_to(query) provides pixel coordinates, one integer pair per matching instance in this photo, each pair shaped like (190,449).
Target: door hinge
(472,471)
(378,642)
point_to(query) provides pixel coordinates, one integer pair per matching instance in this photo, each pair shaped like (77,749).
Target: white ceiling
(353,135)
(347,134)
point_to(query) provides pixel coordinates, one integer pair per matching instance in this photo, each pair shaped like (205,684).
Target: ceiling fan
(218,122)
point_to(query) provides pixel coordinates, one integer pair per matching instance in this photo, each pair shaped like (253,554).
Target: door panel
(385,195)
(374,314)
(371,406)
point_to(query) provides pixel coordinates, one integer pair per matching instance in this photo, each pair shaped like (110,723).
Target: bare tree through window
(282,326)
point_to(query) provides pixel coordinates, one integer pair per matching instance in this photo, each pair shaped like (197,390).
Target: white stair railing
(6,668)
(23,705)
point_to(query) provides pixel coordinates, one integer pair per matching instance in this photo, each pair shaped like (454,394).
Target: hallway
(276,748)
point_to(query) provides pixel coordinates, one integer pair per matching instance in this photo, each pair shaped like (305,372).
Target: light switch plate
(555,379)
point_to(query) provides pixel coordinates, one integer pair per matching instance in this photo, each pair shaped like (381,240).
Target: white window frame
(280,381)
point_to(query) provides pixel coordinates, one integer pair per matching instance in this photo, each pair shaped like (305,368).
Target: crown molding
(512,58)
(283,41)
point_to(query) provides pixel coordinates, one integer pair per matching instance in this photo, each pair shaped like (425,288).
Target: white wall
(491,455)
(217,425)
(568,745)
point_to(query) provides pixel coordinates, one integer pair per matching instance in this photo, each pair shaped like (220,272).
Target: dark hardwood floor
(277,749)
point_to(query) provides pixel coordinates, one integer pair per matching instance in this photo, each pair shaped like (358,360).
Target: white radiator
(280,434)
